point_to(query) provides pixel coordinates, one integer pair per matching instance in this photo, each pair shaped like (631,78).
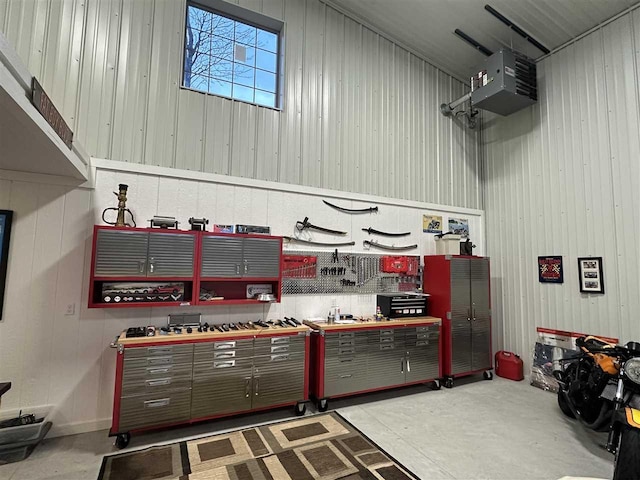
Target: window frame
(250,18)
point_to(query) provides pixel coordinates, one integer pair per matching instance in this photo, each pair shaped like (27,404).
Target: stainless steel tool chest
(367,356)
(184,378)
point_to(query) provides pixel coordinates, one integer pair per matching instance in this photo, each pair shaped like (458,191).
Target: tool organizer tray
(310,272)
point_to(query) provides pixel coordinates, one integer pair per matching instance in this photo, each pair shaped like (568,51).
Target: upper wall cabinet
(153,267)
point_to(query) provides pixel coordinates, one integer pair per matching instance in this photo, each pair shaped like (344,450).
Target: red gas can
(509,365)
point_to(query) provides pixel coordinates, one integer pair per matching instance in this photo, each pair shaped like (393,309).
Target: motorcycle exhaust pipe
(603,416)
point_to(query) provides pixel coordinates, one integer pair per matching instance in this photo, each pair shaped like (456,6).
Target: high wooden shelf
(152,267)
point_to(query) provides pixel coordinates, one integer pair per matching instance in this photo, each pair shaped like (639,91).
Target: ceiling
(427,26)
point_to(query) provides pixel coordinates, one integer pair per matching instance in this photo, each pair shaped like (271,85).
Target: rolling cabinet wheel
(448,382)
(301,408)
(323,405)
(436,385)
(122,440)
(488,375)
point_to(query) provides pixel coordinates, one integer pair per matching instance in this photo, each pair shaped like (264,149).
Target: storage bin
(25,433)
(15,452)
(448,245)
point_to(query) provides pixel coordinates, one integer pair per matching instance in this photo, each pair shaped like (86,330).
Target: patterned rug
(323,447)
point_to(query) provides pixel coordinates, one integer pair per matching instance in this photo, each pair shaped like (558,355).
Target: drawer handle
(386,340)
(275,340)
(386,332)
(346,360)
(279,358)
(422,343)
(222,345)
(408,366)
(386,347)
(153,371)
(163,402)
(157,383)
(159,349)
(345,335)
(281,348)
(344,343)
(230,354)
(247,387)
(346,376)
(160,361)
(256,385)
(346,351)
(230,363)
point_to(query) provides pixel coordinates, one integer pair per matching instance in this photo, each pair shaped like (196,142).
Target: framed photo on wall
(590,275)
(6,216)
(550,269)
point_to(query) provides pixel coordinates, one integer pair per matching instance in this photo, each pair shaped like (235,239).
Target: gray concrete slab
(478,430)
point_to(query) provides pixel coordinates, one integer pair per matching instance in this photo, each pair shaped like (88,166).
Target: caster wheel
(122,440)
(323,405)
(448,382)
(301,409)
(488,375)
(436,385)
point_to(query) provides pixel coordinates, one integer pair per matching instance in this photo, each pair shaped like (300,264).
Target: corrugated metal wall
(360,114)
(563,178)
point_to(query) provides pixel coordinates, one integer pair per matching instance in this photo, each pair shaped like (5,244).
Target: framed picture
(590,275)
(6,216)
(550,269)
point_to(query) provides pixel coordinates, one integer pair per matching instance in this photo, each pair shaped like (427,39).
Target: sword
(385,234)
(321,244)
(306,224)
(382,246)
(352,210)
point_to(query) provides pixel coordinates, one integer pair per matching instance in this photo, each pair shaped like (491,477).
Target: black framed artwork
(550,269)
(590,275)
(6,217)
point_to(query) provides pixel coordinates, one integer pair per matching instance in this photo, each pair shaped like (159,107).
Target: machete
(385,234)
(352,210)
(301,225)
(322,244)
(382,246)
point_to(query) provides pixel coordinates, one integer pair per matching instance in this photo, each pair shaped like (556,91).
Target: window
(230,58)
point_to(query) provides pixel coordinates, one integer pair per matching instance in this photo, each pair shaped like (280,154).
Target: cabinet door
(480,314)
(221,386)
(422,362)
(221,256)
(121,253)
(261,258)
(460,316)
(277,379)
(386,358)
(170,255)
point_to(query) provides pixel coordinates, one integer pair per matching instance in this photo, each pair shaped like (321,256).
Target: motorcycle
(601,388)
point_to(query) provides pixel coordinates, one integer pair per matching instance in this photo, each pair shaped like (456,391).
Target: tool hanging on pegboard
(349,273)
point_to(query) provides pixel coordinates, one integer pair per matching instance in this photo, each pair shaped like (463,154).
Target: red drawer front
(509,365)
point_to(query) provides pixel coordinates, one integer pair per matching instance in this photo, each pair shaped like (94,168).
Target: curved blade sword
(352,210)
(385,234)
(382,246)
(304,224)
(320,244)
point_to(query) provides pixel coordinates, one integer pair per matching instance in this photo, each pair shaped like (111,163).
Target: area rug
(322,447)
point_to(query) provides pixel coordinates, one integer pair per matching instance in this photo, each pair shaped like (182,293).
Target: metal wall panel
(562,178)
(360,113)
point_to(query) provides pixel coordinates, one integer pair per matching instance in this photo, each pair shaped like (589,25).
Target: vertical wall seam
(116,64)
(145,124)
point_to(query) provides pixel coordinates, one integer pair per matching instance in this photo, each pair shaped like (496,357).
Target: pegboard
(321,272)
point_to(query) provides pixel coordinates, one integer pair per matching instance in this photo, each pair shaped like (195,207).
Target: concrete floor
(478,430)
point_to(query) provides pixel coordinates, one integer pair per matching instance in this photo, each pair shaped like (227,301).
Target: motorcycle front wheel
(627,463)
(564,406)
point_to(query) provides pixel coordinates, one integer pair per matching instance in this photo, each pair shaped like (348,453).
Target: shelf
(140,304)
(233,301)
(239,279)
(143,279)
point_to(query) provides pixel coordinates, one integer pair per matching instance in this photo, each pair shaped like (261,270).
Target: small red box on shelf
(509,365)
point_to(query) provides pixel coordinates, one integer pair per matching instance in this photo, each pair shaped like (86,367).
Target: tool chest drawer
(340,339)
(223,349)
(156,409)
(142,374)
(274,345)
(157,361)
(158,351)
(150,386)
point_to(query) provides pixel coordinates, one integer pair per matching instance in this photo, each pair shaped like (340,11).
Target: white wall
(64,360)
(563,178)
(361,114)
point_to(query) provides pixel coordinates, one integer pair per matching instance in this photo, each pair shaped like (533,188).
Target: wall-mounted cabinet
(151,267)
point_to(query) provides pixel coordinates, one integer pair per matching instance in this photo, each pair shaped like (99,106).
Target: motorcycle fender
(630,417)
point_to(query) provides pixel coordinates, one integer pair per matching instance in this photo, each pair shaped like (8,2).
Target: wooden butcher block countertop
(196,336)
(370,324)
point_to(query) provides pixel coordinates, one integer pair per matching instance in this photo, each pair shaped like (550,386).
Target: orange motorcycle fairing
(632,416)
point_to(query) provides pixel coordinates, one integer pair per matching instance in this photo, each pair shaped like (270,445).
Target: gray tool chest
(185,382)
(373,357)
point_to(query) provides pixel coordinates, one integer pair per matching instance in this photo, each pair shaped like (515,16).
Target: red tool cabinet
(460,295)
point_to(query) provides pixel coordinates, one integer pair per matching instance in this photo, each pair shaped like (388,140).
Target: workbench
(366,356)
(174,379)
